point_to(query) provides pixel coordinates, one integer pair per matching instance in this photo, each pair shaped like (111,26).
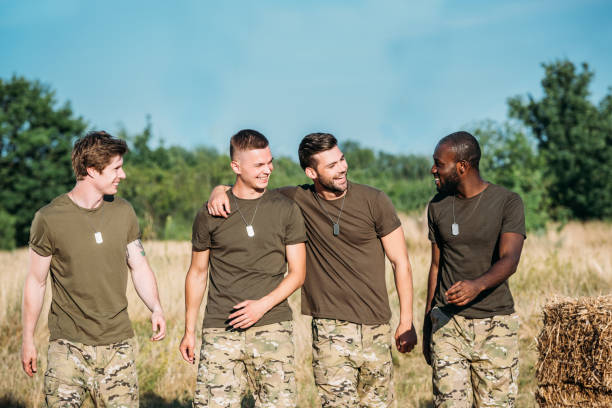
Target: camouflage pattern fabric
(259,359)
(107,373)
(352,363)
(474,361)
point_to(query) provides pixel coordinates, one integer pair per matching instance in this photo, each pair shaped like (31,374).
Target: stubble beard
(450,184)
(329,185)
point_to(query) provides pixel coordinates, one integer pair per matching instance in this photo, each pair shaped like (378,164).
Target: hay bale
(570,395)
(574,367)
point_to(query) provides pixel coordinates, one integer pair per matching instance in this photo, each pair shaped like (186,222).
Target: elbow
(401,266)
(513,262)
(301,279)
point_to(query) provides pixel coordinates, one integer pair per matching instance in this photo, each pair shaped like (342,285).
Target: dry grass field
(574,261)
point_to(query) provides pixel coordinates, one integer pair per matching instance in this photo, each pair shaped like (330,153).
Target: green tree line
(556,151)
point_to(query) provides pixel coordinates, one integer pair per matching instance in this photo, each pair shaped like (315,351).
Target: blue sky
(392,75)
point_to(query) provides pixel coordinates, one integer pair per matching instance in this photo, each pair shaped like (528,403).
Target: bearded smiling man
(350,228)
(470,333)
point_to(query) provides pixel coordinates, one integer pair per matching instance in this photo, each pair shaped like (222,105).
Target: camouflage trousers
(474,361)
(352,363)
(260,359)
(107,373)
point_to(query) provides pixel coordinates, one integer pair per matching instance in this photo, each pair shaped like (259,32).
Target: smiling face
(331,169)
(444,170)
(253,167)
(107,181)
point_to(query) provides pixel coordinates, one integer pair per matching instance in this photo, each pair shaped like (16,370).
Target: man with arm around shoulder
(247,330)
(350,228)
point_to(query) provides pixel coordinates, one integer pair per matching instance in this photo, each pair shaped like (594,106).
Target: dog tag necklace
(97,232)
(336,225)
(455,226)
(249,225)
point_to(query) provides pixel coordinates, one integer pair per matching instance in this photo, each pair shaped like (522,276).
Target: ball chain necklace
(97,231)
(249,225)
(455,226)
(336,225)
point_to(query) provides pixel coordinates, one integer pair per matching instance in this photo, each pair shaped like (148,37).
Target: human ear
(310,173)
(92,172)
(235,166)
(462,166)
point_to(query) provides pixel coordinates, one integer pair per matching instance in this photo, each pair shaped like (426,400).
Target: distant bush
(7,230)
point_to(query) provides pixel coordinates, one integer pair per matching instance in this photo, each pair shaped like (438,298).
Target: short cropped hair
(465,146)
(247,139)
(96,149)
(312,144)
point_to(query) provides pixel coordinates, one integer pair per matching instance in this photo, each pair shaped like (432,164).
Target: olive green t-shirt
(482,220)
(88,278)
(243,267)
(345,274)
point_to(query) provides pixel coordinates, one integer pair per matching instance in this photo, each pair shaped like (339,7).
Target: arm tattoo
(139,245)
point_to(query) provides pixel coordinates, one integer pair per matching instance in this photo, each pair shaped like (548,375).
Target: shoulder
(297,193)
(438,200)
(436,205)
(280,201)
(203,212)
(278,197)
(119,204)
(505,195)
(117,201)
(368,194)
(365,190)
(299,190)
(57,206)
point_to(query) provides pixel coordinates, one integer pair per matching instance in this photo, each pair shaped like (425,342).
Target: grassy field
(574,261)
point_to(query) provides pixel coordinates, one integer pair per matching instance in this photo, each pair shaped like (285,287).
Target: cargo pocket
(58,393)
(51,385)
(438,318)
(501,343)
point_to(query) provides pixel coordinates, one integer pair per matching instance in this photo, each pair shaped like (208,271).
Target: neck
(86,196)
(241,190)
(328,194)
(471,186)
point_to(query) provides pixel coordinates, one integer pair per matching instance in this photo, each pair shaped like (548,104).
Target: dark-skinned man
(477,231)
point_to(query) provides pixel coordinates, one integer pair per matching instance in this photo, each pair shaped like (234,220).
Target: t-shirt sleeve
(513,218)
(295,231)
(40,241)
(385,216)
(200,236)
(133,227)
(431,224)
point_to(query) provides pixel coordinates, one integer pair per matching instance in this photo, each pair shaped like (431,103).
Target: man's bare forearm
(294,279)
(143,277)
(403,285)
(195,287)
(33,298)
